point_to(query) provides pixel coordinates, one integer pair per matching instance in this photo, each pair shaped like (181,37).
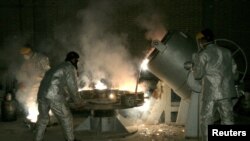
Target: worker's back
(218,77)
(55,82)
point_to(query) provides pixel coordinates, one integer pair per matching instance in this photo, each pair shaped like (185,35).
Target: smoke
(106,48)
(106,55)
(154,25)
(110,37)
(10,61)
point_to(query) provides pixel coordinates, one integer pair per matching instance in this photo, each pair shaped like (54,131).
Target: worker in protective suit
(216,68)
(29,76)
(35,64)
(58,84)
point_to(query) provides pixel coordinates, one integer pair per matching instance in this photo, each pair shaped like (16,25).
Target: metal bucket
(168,58)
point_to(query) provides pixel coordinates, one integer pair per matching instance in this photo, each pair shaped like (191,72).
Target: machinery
(103,104)
(167,61)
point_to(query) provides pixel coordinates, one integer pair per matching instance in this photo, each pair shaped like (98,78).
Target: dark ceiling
(55,26)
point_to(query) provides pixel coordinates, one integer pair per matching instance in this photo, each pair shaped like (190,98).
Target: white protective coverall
(216,68)
(29,77)
(58,84)
(34,68)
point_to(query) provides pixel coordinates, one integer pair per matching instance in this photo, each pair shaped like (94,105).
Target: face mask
(201,44)
(74,62)
(26,57)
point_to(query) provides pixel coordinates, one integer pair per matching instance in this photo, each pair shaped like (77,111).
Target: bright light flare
(112,96)
(144,64)
(32,113)
(160,130)
(100,86)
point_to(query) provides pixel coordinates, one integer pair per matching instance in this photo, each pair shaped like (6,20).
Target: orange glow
(100,86)
(127,86)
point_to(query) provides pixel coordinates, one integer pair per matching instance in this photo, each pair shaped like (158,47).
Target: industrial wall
(36,21)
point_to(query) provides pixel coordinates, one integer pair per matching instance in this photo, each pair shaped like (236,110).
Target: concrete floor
(19,131)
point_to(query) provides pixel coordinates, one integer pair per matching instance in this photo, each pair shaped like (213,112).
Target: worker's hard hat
(25,50)
(206,34)
(199,35)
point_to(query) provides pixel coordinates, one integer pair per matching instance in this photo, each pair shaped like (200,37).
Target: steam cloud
(106,50)
(108,36)
(106,54)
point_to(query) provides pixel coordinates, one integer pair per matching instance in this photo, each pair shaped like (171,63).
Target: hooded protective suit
(58,84)
(34,68)
(216,68)
(29,77)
